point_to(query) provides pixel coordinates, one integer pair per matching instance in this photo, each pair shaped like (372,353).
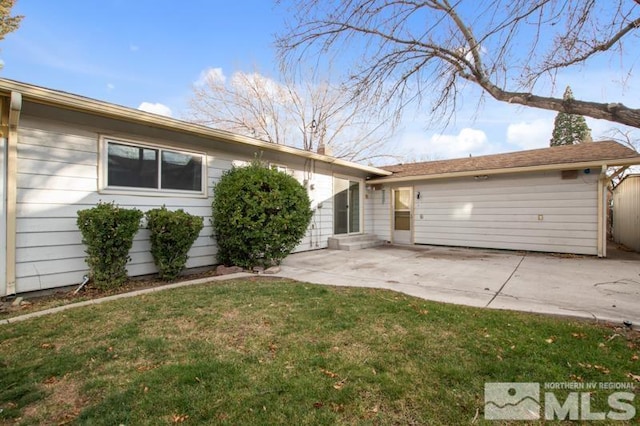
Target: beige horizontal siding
(379,208)
(321,226)
(368,216)
(626,213)
(517,223)
(58,176)
(503,212)
(45,167)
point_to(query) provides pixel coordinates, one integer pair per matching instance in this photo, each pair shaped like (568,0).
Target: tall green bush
(259,215)
(172,235)
(108,231)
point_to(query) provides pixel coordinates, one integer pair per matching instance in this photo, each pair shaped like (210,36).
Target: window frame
(103,184)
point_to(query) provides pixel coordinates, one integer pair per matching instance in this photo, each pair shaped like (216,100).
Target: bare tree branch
(306,115)
(415,50)
(625,137)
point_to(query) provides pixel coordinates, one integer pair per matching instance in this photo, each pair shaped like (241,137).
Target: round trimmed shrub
(108,231)
(172,235)
(259,215)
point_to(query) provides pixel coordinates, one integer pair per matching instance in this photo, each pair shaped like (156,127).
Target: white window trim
(103,162)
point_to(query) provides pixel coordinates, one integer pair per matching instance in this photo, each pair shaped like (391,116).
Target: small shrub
(108,231)
(259,216)
(172,235)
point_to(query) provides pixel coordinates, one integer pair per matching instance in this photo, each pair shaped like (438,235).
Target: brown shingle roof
(581,153)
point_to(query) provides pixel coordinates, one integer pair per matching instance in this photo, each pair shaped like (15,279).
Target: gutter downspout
(602,213)
(12,172)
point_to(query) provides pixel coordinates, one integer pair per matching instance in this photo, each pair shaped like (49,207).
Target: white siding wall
(379,209)
(321,226)
(58,175)
(626,213)
(368,208)
(51,188)
(539,212)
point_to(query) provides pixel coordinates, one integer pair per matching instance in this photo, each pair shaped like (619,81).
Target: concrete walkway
(580,286)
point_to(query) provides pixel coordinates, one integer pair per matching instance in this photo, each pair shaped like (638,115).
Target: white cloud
(250,81)
(211,75)
(155,108)
(509,127)
(256,82)
(444,146)
(468,141)
(134,48)
(110,86)
(530,134)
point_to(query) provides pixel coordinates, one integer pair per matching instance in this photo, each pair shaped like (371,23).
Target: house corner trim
(602,212)
(15,107)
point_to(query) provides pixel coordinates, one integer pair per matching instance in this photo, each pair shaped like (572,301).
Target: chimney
(324,150)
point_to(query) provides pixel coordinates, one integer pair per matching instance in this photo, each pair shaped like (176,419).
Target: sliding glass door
(346,206)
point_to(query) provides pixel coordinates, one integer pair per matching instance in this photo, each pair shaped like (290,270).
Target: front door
(346,206)
(402,212)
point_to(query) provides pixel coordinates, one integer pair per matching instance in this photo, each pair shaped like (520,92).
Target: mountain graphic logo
(512,401)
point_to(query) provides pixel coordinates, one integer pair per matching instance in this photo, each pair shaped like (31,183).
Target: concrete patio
(579,286)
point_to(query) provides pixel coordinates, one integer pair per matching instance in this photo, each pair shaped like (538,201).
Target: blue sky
(135,52)
(128,52)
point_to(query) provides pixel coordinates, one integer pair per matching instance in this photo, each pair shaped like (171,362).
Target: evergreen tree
(569,129)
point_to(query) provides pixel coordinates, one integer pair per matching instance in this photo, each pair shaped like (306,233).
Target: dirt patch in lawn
(63,402)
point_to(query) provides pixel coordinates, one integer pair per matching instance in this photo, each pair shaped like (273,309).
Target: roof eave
(545,167)
(108,110)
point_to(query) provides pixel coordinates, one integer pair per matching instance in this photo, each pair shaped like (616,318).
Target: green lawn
(273,351)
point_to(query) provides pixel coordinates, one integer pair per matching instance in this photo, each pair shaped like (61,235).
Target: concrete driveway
(581,286)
